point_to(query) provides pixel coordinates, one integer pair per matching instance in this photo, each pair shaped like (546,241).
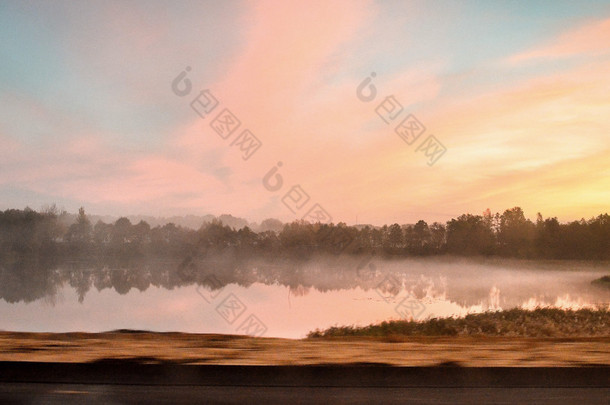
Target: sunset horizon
(96,113)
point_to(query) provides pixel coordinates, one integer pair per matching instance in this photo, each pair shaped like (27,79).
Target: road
(129,383)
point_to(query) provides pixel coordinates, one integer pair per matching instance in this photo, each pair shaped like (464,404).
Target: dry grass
(222,349)
(541,322)
(603,282)
(543,337)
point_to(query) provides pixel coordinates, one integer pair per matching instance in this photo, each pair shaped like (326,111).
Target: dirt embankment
(222,349)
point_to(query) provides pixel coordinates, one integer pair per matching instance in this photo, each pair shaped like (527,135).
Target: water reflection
(289,297)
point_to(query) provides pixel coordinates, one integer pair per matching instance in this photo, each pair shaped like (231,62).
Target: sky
(118,106)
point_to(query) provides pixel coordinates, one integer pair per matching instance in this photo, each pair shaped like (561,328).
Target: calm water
(314,295)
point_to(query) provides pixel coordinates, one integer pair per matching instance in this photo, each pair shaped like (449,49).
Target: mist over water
(473,286)
(291,298)
(500,285)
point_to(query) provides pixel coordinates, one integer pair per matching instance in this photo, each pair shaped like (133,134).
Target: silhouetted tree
(469,235)
(419,240)
(548,237)
(516,234)
(298,239)
(438,238)
(80,235)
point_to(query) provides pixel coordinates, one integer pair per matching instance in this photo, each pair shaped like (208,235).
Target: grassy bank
(602,282)
(541,322)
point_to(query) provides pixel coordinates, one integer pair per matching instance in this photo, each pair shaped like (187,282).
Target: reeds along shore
(540,322)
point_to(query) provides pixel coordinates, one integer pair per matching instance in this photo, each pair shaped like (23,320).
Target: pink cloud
(283,65)
(281,86)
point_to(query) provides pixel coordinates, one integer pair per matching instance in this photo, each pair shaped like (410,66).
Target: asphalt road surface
(129,383)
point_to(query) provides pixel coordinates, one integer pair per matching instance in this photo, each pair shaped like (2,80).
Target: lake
(289,300)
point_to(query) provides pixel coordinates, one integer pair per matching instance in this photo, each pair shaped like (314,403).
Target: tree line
(31,237)
(42,251)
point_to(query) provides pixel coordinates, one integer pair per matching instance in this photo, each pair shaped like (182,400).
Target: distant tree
(438,237)
(334,239)
(298,239)
(420,238)
(547,241)
(216,237)
(363,241)
(469,235)
(516,234)
(48,233)
(395,240)
(120,248)
(575,241)
(269,243)
(102,233)
(140,237)
(80,233)
(377,237)
(174,241)
(247,241)
(271,224)
(600,237)
(121,231)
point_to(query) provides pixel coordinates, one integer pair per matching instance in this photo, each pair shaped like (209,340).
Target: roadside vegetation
(540,322)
